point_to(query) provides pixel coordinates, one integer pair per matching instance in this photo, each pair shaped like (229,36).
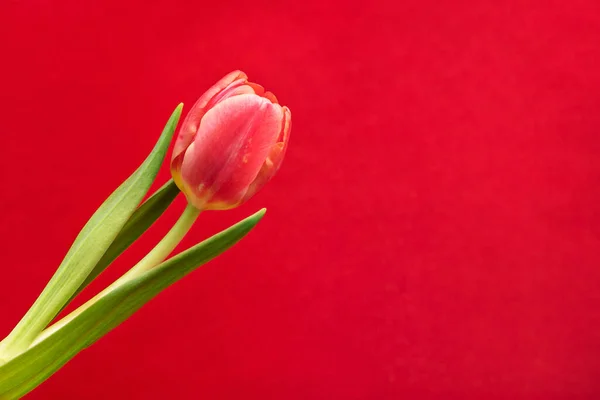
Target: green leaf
(29,369)
(89,247)
(142,219)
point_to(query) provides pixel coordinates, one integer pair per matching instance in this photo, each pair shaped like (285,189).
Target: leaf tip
(260,213)
(256,217)
(178,110)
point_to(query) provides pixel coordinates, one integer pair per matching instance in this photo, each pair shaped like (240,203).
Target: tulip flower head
(230,144)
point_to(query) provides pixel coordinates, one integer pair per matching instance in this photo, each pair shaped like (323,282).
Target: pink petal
(231,145)
(275,158)
(192,120)
(234,89)
(271,97)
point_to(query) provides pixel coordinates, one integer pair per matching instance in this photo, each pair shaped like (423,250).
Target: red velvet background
(434,232)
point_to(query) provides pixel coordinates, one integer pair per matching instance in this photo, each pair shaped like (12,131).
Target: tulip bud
(230,144)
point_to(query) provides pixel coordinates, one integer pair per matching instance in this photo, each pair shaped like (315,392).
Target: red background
(434,232)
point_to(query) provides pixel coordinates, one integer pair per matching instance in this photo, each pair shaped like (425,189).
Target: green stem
(166,246)
(157,255)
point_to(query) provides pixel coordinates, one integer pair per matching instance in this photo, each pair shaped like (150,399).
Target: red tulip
(230,144)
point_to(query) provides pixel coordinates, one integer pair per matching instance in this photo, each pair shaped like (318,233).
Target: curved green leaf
(89,247)
(142,219)
(29,369)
